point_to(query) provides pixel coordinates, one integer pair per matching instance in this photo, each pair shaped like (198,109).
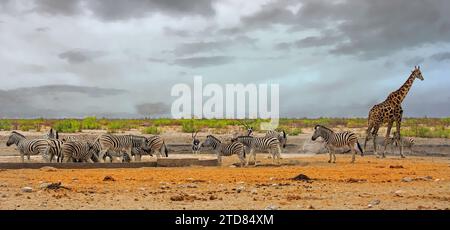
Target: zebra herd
(115,147)
(124,148)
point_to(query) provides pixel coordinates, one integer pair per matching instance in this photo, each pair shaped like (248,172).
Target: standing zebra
(77,151)
(404,142)
(27,147)
(154,144)
(281,136)
(54,148)
(260,144)
(335,140)
(119,144)
(223,149)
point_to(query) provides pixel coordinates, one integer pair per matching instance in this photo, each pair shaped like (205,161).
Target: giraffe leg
(398,137)
(368,134)
(352,147)
(374,136)
(386,138)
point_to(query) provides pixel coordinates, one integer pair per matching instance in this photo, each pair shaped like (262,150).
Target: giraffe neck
(399,95)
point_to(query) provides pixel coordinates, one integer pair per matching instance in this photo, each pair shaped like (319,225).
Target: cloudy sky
(119,58)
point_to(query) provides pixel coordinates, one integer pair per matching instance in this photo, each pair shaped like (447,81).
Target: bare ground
(370,183)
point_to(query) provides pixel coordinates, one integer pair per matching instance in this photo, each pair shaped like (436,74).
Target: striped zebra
(336,140)
(407,142)
(54,148)
(76,151)
(119,144)
(225,149)
(27,147)
(281,136)
(271,144)
(154,144)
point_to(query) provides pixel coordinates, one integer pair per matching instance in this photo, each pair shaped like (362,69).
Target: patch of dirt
(336,186)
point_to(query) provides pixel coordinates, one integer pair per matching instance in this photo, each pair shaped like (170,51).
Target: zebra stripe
(76,151)
(270,144)
(335,140)
(223,149)
(27,147)
(281,136)
(54,148)
(119,144)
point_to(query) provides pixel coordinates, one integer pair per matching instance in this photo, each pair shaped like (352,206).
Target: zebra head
(211,141)
(14,138)
(283,139)
(317,132)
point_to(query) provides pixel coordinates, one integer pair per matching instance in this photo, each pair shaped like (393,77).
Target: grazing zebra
(119,144)
(27,147)
(195,143)
(261,144)
(335,140)
(223,149)
(155,144)
(76,151)
(281,136)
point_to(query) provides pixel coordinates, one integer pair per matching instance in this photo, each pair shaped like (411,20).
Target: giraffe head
(416,73)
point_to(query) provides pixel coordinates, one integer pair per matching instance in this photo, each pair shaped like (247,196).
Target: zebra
(54,148)
(261,144)
(77,151)
(195,143)
(281,136)
(405,142)
(27,147)
(119,144)
(155,144)
(225,149)
(336,140)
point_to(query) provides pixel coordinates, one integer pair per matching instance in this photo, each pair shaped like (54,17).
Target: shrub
(5,125)
(68,126)
(188,126)
(151,130)
(115,126)
(90,123)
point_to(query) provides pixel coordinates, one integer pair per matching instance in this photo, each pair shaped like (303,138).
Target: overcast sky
(119,58)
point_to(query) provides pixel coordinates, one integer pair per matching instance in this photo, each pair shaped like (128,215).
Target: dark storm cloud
(51,101)
(368,29)
(444,56)
(78,56)
(153,109)
(197,62)
(112,10)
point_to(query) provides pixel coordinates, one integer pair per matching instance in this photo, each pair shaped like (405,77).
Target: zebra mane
(14,132)
(213,137)
(321,126)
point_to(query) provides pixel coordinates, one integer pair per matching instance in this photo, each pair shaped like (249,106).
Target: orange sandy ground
(370,183)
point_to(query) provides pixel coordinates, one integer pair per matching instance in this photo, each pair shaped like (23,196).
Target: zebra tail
(360,149)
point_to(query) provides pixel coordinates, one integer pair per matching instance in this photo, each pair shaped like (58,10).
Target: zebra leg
(101,155)
(219,158)
(278,154)
(249,156)
(242,158)
(22,157)
(329,153)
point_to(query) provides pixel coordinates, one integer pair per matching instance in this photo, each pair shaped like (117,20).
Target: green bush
(68,126)
(90,123)
(5,125)
(115,126)
(151,130)
(294,131)
(188,127)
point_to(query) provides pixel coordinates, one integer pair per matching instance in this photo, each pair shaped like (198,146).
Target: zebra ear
(57,135)
(284,134)
(315,127)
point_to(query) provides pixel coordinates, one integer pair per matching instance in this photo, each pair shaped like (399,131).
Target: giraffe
(390,111)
